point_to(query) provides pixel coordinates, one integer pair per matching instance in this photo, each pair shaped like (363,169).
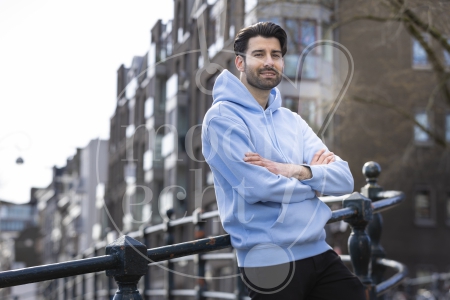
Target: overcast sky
(58,63)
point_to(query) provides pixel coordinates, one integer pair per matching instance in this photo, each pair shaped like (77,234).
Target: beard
(255,79)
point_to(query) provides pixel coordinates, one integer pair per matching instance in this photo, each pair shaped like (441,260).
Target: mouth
(268,73)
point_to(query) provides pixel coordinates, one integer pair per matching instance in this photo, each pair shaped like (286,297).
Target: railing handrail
(58,270)
(333,199)
(189,248)
(387,200)
(102,263)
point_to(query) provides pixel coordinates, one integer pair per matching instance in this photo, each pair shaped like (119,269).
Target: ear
(240,63)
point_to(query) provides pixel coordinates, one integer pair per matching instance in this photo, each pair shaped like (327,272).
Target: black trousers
(321,277)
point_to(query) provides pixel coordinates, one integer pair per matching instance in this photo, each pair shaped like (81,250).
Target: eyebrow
(261,50)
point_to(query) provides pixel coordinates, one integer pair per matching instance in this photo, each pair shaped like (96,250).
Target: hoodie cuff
(317,177)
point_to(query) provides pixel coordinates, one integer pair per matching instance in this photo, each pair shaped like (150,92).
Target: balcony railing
(127,259)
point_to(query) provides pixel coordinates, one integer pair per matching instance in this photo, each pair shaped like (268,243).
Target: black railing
(127,259)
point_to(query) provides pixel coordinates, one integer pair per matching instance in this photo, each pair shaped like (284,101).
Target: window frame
(427,65)
(415,129)
(315,53)
(446,56)
(447,208)
(425,222)
(447,126)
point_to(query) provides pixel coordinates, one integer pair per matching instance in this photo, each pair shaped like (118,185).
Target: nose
(268,62)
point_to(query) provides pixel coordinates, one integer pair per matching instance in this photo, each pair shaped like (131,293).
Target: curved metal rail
(396,279)
(393,281)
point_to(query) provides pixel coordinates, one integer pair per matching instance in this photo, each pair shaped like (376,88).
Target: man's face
(263,65)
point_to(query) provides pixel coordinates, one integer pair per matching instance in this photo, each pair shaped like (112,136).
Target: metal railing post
(95,279)
(147,285)
(73,286)
(371,171)
(83,283)
(66,292)
(133,265)
(359,241)
(199,233)
(111,293)
(169,240)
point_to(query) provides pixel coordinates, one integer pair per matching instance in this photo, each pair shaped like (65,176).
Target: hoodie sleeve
(333,179)
(225,142)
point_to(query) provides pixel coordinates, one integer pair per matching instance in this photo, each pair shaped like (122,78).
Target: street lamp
(19,160)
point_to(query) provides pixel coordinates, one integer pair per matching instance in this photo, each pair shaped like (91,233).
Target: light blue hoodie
(272,219)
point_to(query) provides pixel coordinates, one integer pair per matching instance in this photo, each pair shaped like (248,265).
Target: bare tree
(422,20)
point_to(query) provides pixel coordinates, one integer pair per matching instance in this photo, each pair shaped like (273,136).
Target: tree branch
(366,17)
(437,66)
(404,114)
(424,26)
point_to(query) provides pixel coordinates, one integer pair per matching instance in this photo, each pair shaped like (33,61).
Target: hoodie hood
(229,88)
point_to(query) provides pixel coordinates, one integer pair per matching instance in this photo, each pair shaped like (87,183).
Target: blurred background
(100,117)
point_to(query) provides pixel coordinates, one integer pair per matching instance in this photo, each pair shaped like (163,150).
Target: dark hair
(264,29)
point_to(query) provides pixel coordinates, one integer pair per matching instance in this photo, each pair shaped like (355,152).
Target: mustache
(269,69)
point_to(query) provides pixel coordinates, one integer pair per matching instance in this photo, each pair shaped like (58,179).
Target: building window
(148,160)
(423,208)
(160,93)
(180,24)
(301,34)
(447,55)
(149,107)
(209,178)
(165,42)
(420,135)
(229,23)
(420,57)
(308,111)
(447,128)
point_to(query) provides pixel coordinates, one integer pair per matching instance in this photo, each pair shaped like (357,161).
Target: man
(268,167)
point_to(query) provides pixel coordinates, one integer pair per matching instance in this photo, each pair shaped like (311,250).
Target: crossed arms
(225,141)
(290,170)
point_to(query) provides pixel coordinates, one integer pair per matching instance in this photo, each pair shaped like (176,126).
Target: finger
(251,154)
(328,155)
(320,160)
(252,158)
(317,155)
(329,159)
(324,159)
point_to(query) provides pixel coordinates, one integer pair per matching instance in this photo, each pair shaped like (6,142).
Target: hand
(286,170)
(322,158)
